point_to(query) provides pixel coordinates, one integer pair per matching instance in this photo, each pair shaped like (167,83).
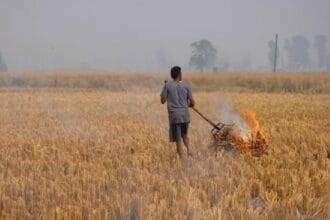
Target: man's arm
(191,103)
(190,98)
(163,95)
(162,100)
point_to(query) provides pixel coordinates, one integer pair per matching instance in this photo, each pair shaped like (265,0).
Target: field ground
(86,152)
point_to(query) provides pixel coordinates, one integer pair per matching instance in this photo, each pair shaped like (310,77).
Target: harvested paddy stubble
(101,154)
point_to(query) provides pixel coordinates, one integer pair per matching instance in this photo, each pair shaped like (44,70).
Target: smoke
(229,116)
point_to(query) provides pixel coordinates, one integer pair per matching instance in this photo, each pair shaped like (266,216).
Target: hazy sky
(130,35)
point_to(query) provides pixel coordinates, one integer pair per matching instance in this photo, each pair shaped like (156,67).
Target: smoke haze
(229,116)
(149,35)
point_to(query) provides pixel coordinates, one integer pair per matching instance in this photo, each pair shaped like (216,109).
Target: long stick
(206,119)
(275,53)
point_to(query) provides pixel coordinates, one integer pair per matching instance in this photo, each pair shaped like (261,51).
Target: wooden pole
(275,53)
(206,119)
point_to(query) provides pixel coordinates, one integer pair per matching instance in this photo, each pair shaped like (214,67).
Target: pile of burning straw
(242,134)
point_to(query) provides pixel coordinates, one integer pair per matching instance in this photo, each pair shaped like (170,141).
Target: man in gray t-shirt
(179,98)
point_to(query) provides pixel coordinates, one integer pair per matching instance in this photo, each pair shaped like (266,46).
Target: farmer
(179,98)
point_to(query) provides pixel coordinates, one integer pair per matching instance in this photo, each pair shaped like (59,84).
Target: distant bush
(17,82)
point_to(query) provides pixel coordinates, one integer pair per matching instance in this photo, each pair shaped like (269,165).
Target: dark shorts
(177,131)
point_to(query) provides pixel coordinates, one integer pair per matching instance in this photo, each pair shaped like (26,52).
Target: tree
(203,55)
(297,49)
(271,52)
(320,45)
(288,53)
(3,65)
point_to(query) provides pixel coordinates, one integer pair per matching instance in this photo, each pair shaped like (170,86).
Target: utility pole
(275,53)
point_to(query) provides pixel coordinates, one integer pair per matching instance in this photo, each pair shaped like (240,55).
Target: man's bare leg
(187,144)
(179,148)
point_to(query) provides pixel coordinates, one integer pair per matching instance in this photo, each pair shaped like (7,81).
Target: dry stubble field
(88,153)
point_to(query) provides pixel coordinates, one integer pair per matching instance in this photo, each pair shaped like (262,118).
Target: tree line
(295,54)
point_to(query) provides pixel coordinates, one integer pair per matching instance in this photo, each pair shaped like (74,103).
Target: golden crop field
(96,147)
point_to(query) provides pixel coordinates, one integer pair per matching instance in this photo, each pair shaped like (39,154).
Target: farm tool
(220,131)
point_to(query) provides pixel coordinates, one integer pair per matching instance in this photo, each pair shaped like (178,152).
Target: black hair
(175,72)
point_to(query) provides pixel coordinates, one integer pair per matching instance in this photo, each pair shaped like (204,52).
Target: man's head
(176,73)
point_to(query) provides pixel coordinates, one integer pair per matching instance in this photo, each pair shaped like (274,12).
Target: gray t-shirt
(178,95)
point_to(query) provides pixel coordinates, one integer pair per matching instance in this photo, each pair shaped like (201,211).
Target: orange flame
(251,120)
(256,142)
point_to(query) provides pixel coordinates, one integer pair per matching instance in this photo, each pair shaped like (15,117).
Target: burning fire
(247,138)
(257,143)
